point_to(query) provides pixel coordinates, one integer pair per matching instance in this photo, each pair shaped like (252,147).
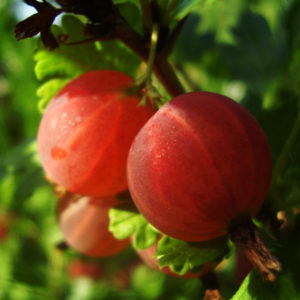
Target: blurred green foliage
(247,50)
(19,117)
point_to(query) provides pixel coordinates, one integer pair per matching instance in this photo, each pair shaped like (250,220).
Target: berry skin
(86,132)
(84,223)
(197,164)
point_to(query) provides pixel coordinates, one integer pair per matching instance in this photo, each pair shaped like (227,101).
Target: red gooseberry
(86,132)
(84,223)
(201,161)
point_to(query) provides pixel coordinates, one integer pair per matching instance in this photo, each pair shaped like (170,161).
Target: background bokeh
(247,50)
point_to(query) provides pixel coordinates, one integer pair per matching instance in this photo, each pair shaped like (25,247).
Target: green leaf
(180,256)
(175,10)
(126,221)
(48,90)
(292,23)
(185,7)
(78,55)
(31,259)
(183,256)
(131,11)
(254,287)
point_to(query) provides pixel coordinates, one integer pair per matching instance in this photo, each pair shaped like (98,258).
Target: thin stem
(147,17)
(152,54)
(285,153)
(162,68)
(146,78)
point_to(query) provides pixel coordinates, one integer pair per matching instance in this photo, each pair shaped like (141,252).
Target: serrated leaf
(182,256)
(49,64)
(67,60)
(126,221)
(145,236)
(48,90)
(181,269)
(77,55)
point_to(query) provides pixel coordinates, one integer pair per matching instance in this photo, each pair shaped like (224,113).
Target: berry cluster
(193,168)
(83,143)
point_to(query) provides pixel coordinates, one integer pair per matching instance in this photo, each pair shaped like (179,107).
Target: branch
(140,46)
(105,13)
(39,23)
(106,24)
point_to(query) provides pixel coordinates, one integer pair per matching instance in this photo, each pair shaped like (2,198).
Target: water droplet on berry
(58,153)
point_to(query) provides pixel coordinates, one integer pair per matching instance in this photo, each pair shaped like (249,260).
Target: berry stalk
(245,236)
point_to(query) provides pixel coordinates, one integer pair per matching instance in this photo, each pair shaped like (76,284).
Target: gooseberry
(86,132)
(84,223)
(200,162)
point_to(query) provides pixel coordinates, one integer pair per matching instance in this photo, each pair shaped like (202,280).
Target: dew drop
(58,153)
(53,123)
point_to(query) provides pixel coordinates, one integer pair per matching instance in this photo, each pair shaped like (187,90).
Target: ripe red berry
(86,132)
(79,268)
(198,163)
(147,256)
(3,231)
(84,223)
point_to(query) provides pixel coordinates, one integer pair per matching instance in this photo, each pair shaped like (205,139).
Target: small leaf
(145,236)
(77,55)
(125,221)
(48,90)
(182,256)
